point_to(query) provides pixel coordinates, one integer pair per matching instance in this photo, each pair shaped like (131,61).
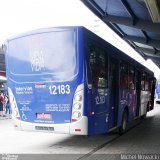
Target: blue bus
(69,80)
(157,92)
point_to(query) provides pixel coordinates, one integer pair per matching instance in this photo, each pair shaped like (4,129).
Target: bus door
(113,93)
(99,95)
(152,86)
(138,91)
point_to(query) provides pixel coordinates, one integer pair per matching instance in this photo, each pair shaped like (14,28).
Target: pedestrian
(8,108)
(1,104)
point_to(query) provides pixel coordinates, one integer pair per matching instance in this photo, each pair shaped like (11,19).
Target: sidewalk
(144,139)
(6,117)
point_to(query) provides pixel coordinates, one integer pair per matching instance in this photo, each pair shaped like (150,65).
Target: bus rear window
(48,54)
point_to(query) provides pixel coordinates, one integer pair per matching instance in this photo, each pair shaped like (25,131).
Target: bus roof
(43,30)
(115,51)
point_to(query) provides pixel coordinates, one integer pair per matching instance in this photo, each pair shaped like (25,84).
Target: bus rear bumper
(77,128)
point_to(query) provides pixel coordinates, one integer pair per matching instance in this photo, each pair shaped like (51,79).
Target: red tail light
(74,120)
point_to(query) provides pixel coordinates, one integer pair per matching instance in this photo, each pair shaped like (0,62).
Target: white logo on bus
(37,61)
(100,99)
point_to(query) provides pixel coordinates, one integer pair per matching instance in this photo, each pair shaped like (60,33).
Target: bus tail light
(74,120)
(77,109)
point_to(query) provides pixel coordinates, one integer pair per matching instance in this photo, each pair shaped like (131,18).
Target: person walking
(8,108)
(1,104)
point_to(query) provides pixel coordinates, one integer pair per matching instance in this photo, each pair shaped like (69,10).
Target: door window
(98,63)
(131,78)
(124,75)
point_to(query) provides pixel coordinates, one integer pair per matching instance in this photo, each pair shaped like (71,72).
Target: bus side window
(93,65)
(147,84)
(150,83)
(98,64)
(143,77)
(131,78)
(123,75)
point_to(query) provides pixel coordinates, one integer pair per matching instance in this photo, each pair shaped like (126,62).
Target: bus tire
(143,117)
(123,127)
(158,102)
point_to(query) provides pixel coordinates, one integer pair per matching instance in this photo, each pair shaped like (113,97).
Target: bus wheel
(123,127)
(144,116)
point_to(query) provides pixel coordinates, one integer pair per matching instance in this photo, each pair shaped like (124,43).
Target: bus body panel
(113,92)
(99,102)
(37,105)
(127,101)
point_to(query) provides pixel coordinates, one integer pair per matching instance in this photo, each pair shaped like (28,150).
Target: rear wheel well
(124,121)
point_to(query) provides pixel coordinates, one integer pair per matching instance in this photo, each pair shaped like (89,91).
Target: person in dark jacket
(8,108)
(1,104)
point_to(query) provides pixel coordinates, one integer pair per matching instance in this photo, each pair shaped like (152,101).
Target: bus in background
(157,91)
(69,80)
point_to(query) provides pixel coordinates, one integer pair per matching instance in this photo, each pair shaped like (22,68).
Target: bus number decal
(60,89)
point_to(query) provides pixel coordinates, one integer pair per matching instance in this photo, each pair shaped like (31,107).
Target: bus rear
(45,81)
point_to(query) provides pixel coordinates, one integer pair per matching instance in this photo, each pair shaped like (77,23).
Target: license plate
(44,116)
(43,128)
